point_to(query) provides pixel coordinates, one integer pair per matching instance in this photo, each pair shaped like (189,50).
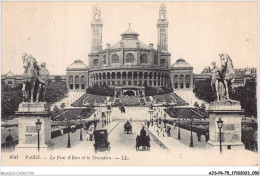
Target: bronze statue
(222,77)
(43,79)
(35,79)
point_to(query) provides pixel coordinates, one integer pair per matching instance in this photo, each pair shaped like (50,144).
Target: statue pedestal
(230,113)
(28,114)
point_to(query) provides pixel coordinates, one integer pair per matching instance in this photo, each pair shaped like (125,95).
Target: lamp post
(68,121)
(38,128)
(179,129)
(107,118)
(220,124)
(191,138)
(103,116)
(157,124)
(164,120)
(151,114)
(95,122)
(80,133)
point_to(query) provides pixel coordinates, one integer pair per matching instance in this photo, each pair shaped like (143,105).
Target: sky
(60,32)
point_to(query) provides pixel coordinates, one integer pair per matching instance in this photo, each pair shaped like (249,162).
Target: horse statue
(30,77)
(43,80)
(227,73)
(35,80)
(223,77)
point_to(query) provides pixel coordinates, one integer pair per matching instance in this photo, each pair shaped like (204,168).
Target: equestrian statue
(222,79)
(35,80)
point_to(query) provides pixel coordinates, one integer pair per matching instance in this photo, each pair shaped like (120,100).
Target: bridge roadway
(119,141)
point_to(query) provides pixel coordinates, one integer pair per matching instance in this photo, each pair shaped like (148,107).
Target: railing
(9,146)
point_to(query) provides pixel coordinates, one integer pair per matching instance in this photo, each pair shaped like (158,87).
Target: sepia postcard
(129,84)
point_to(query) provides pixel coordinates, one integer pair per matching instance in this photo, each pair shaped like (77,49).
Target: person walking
(207,137)
(199,136)
(148,124)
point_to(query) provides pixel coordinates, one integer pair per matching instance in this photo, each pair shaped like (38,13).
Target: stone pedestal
(28,114)
(230,112)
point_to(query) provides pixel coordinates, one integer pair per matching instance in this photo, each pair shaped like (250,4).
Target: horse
(227,72)
(30,77)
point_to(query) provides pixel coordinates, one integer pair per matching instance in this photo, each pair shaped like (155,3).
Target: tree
(55,91)
(100,90)
(57,79)
(247,97)
(10,99)
(203,90)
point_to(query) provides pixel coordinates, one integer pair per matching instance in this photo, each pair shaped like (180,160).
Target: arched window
(115,58)
(129,74)
(113,75)
(124,75)
(176,80)
(118,75)
(187,78)
(140,75)
(145,75)
(104,75)
(71,79)
(144,59)
(155,60)
(181,81)
(135,75)
(83,79)
(108,75)
(104,59)
(187,81)
(77,79)
(129,58)
(95,63)
(150,75)
(163,62)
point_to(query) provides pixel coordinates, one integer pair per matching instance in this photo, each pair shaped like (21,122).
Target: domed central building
(128,65)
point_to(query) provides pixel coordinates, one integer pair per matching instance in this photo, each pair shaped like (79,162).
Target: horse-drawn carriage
(122,109)
(101,140)
(128,127)
(143,141)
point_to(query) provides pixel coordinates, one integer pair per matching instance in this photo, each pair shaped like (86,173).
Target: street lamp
(191,138)
(68,122)
(151,115)
(38,128)
(95,122)
(164,120)
(80,133)
(107,118)
(220,124)
(179,129)
(103,116)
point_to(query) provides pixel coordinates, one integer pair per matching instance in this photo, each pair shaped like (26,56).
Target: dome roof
(129,40)
(77,65)
(130,44)
(10,74)
(181,63)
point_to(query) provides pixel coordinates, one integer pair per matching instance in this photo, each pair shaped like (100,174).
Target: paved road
(120,141)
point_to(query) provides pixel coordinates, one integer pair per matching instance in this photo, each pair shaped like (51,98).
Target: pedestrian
(164,131)
(61,131)
(207,137)
(148,124)
(199,136)
(87,135)
(168,131)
